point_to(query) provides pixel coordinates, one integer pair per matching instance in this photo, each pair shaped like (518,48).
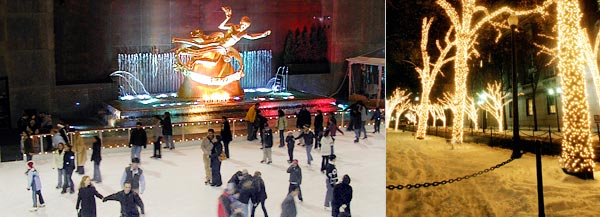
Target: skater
(295,178)
(247,192)
(226,136)
(85,197)
(303,118)
(318,129)
(80,149)
(332,126)
(215,159)
(34,185)
(290,145)
(137,140)
(207,146)
(62,131)
(224,201)
(259,125)
(281,126)
(57,163)
(130,201)
(330,181)
(356,123)
(362,109)
(134,176)
(167,131)
(377,118)
(96,158)
(156,137)
(308,137)
(28,146)
(260,193)
(68,166)
(326,151)
(342,195)
(267,145)
(288,207)
(250,117)
(57,139)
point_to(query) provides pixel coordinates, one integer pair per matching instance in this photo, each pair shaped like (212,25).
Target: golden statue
(206,59)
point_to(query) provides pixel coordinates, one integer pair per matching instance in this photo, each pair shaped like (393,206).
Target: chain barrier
(427,184)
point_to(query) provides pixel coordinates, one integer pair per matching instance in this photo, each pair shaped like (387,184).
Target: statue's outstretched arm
(224,25)
(257,35)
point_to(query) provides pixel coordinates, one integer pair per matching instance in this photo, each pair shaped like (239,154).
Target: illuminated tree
(467,24)
(494,101)
(471,110)
(398,97)
(577,155)
(437,111)
(428,72)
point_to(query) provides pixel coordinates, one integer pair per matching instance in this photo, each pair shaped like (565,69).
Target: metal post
(515,95)
(100,135)
(550,133)
(540,184)
(41,144)
(233,128)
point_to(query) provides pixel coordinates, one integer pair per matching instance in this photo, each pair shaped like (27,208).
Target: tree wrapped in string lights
(467,24)
(493,101)
(398,101)
(437,112)
(428,72)
(471,110)
(577,157)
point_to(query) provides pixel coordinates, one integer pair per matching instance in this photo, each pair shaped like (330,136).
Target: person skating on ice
(308,137)
(318,129)
(87,198)
(288,206)
(157,136)
(215,158)
(58,156)
(267,145)
(68,167)
(250,118)
(96,158)
(129,200)
(330,181)
(226,135)
(134,175)
(342,195)
(206,146)
(260,194)
(289,139)
(326,151)
(167,131)
(377,117)
(34,184)
(281,125)
(295,178)
(137,140)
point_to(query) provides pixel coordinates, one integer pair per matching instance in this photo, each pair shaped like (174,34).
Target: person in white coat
(327,150)
(57,163)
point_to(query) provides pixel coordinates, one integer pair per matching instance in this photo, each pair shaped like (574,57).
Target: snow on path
(175,184)
(507,191)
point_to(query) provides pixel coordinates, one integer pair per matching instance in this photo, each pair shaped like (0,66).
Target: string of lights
(491,101)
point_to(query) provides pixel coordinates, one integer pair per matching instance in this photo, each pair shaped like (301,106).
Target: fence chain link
(443,182)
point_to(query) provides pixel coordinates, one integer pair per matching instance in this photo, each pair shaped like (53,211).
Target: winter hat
(295,161)
(30,164)
(332,157)
(135,160)
(290,133)
(60,125)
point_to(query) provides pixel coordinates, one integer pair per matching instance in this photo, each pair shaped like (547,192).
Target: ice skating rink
(175,184)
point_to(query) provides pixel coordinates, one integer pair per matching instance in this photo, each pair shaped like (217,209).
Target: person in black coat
(356,124)
(247,192)
(295,178)
(167,131)
(303,118)
(137,140)
(96,158)
(260,193)
(85,197)
(68,167)
(215,161)
(267,145)
(259,125)
(318,129)
(226,136)
(342,195)
(129,201)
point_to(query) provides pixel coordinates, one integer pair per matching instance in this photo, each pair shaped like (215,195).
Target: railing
(182,132)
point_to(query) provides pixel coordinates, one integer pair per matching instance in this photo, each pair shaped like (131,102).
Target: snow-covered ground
(507,191)
(175,185)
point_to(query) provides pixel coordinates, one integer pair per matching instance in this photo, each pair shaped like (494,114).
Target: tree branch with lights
(492,101)
(399,98)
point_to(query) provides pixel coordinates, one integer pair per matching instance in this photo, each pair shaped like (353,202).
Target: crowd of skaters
(243,188)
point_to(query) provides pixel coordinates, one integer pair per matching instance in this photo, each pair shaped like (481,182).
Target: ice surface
(175,184)
(507,191)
